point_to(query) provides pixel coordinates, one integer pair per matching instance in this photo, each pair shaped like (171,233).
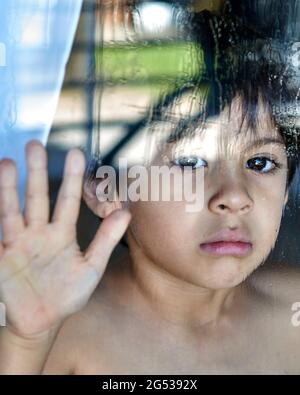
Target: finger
(107,237)
(69,196)
(11,219)
(37,189)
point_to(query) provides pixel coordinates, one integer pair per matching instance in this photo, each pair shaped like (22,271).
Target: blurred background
(126,56)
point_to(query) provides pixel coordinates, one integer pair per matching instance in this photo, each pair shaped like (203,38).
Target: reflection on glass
(35,42)
(158,62)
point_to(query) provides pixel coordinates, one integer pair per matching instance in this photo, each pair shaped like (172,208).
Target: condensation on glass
(153,61)
(149,64)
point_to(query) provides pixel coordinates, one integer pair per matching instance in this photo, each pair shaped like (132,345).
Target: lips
(227,242)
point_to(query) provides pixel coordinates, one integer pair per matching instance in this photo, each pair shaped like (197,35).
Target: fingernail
(36,158)
(77,163)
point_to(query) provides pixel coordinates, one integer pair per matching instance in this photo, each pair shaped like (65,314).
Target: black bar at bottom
(102,383)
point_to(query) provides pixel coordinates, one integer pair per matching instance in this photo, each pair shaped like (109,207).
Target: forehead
(223,139)
(233,122)
(240,117)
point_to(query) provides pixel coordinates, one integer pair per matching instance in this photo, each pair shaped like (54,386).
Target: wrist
(12,337)
(24,354)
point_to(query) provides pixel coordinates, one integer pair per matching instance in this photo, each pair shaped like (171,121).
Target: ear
(100,208)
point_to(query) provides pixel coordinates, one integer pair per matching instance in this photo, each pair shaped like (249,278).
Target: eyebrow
(181,132)
(255,144)
(264,141)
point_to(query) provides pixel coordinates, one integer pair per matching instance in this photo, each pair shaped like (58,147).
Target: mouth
(228,243)
(223,248)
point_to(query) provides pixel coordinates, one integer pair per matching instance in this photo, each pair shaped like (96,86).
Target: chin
(228,273)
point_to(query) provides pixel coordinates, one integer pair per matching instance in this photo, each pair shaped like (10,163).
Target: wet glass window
(195,84)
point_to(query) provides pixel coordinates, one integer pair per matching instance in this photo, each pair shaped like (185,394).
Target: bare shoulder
(275,312)
(277,290)
(84,333)
(279,281)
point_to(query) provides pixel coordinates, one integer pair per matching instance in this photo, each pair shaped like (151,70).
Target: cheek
(268,194)
(268,215)
(163,226)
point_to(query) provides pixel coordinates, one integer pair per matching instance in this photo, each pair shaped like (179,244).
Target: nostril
(222,206)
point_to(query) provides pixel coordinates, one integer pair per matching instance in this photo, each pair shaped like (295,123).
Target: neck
(176,300)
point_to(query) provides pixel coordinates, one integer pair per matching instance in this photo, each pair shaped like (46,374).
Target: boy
(182,300)
(185,297)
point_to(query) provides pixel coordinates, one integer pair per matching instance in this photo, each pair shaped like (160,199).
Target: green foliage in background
(152,64)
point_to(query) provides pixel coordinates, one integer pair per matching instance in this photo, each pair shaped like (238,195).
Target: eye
(190,161)
(263,165)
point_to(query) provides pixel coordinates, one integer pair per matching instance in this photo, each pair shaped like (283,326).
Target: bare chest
(138,349)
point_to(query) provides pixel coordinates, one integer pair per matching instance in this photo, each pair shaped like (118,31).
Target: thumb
(106,239)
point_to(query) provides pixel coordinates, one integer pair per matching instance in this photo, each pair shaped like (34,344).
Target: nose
(231,198)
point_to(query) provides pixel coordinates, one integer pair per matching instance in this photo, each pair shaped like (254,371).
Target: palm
(44,277)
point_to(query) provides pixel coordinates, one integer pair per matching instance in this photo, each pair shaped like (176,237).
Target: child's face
(244,192)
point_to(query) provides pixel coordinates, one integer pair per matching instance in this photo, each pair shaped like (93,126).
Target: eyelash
(186,158)
(277,165)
